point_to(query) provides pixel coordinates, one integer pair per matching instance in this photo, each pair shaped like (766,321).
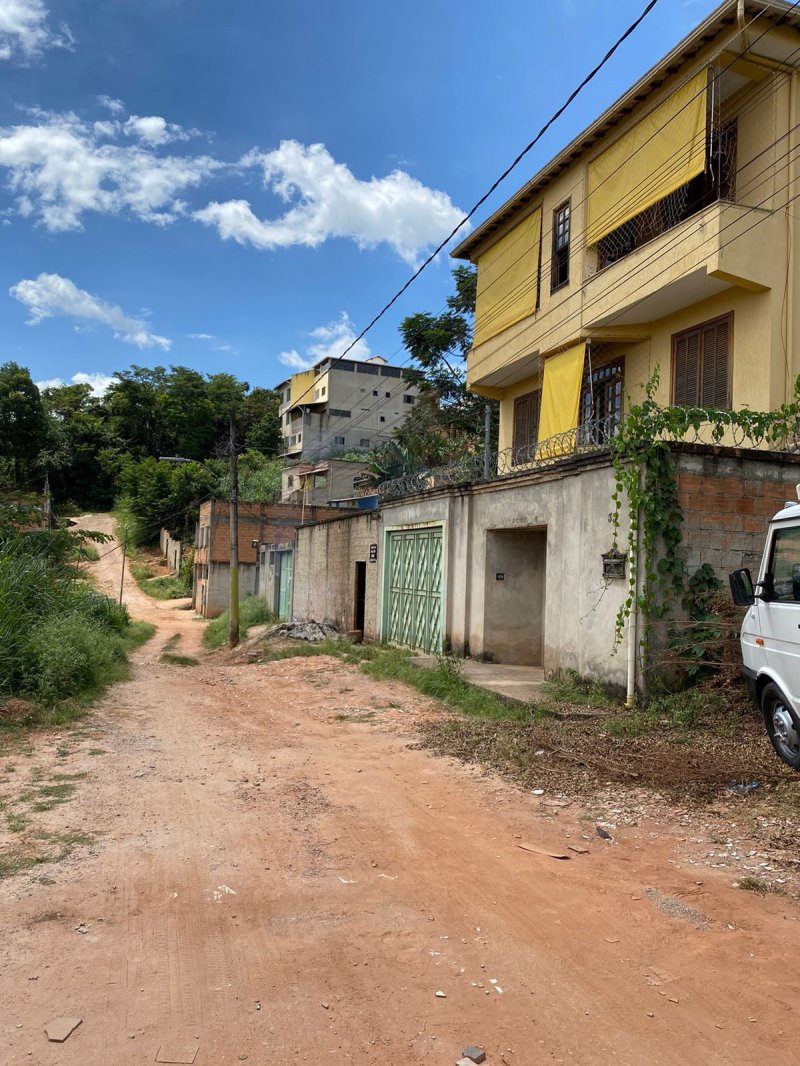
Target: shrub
(68,656)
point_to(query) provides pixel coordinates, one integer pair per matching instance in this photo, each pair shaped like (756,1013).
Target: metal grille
(414,592)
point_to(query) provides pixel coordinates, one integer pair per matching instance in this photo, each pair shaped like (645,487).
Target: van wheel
(783,726)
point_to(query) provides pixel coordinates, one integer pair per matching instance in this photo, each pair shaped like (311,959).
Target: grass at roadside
(20,715)
(172,657)
(253,611)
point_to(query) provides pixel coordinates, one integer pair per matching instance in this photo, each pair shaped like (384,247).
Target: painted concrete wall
(211,593)
(568,506)
(325,572)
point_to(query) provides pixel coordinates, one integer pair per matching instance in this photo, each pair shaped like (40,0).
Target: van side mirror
(742,588)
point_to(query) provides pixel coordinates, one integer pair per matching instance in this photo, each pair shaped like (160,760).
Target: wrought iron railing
(584,440)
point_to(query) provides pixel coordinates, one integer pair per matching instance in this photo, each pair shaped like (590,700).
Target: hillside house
(663,240)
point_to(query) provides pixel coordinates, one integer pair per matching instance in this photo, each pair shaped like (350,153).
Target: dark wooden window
(526,426)
(600,410)
(561,226)
(701,364)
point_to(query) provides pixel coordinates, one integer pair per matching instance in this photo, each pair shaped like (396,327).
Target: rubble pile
(313,632)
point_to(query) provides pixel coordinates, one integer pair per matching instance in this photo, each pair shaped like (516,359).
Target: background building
(341,406)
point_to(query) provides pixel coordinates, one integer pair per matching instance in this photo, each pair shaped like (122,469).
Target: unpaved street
(272,876)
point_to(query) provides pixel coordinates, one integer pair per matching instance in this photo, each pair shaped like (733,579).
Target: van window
(785,565)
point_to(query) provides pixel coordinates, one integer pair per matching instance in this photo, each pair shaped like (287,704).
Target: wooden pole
(122,575)
(233,628)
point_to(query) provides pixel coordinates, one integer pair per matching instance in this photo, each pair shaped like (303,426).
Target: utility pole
(122,575)
(233,628)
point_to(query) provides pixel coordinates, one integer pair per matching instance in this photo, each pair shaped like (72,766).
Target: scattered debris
(82,928)
(742,789)
(60,1028)
(325,1006)
(176,1054)
(611,940)
(544,851)
(474,1054)
(537,792)
(313,632)
(578,849)
(441,995)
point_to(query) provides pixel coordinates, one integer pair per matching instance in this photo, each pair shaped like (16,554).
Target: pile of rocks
(313,632)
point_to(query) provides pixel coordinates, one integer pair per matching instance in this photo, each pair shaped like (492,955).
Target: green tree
(447,421)
(136,401)
(260,424)
(189,413)
(23,424)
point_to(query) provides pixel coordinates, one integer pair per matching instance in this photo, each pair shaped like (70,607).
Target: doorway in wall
(360,596)
(513,621)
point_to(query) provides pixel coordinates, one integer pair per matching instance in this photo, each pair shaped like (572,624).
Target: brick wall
(257,522)
(728,499)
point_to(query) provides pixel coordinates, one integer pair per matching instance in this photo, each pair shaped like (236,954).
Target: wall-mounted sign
(373,553)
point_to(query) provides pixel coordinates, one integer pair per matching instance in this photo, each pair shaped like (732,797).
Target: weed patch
(253,611)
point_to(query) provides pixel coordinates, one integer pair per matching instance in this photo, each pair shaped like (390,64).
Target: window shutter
(714,385)
(526,422)
(687,359)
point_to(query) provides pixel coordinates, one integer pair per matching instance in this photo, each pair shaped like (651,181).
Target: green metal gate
(413,611)
(285,576)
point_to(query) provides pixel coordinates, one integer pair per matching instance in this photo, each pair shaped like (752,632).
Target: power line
(495,184)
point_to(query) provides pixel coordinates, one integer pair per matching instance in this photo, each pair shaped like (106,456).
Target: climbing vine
(645,483)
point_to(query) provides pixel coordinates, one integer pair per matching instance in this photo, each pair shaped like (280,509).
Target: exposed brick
(754,524)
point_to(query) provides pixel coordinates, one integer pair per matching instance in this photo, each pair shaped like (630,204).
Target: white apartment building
(342,405)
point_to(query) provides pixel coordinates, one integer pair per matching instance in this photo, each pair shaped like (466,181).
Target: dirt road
(269,875)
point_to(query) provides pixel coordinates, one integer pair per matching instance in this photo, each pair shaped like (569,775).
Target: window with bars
(600,410)
(701,364)
(526,427)
(717,182)
(560,266)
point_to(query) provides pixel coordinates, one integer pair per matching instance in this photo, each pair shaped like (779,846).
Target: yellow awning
(561,392)
(661,153)
(508,279)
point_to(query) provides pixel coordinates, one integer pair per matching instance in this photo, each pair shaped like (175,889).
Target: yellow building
(666,236)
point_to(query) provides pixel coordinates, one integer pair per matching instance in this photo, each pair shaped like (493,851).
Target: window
(718,182)
(383,418)
(336,413)
(600,410)
(364,442)
(374,392)
(560,268)
(290,481)
(338,440)
(526,426)
(784,566)
(701,364)
(388,395)
(407,398)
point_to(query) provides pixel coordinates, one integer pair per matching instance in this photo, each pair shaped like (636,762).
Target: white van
(770,634)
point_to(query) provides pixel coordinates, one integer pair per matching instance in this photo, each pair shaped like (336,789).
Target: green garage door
(413,599)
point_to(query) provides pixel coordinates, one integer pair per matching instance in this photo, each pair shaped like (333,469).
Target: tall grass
(253,611)
(59,638)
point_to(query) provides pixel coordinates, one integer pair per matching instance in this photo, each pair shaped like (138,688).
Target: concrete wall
(514,596)
(212,586)
(567,508)
(325,572)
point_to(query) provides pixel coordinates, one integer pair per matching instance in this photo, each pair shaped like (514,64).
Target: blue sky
(240,187)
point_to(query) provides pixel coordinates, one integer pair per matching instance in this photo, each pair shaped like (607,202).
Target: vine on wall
(646,484)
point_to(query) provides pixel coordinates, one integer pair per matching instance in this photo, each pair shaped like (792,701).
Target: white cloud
(59,170)
(116,107)
(202,336)
(51,296)
(98,382)
(223,346)
(329,342)
(155,130)
(326,200)
(24,31)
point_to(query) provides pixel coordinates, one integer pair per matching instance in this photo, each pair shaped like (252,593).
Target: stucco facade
(736,253)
